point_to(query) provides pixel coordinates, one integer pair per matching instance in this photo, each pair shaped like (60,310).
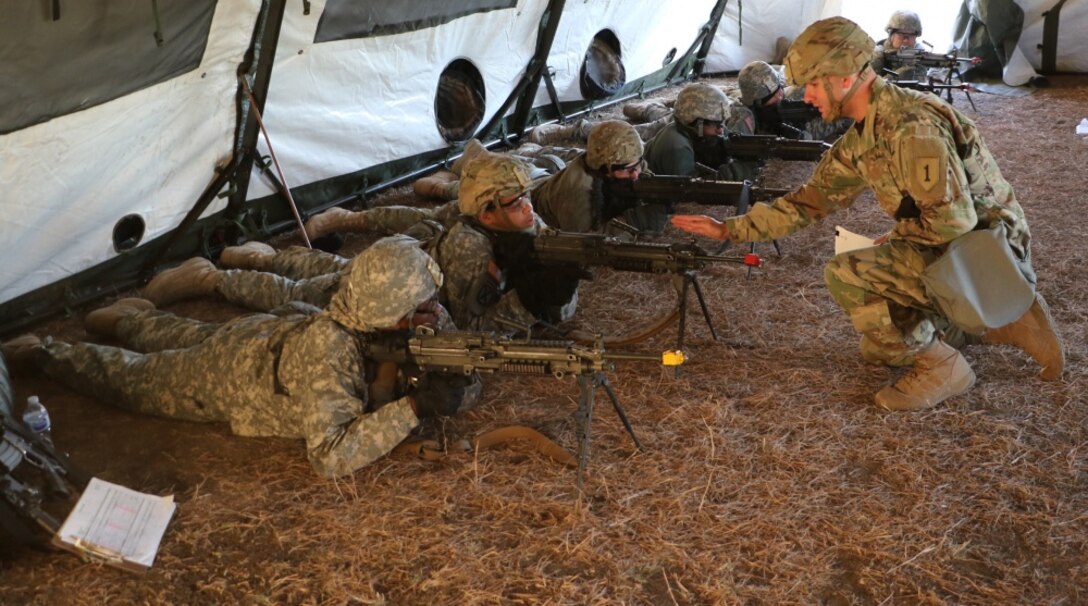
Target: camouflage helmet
(757,81)
(904,21)
(385,283)
(613,142)
(701,101)
(829,47)
(488,178)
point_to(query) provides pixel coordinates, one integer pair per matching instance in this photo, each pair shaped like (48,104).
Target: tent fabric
(67,181)
(109,142)
(344,19)
(94,52)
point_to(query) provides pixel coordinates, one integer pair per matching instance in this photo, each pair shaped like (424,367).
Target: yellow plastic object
(672,358)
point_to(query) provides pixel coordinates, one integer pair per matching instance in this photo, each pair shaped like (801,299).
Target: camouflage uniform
(267,376)
(884,53)
(759,80)
(471,293)
(673,151)
(930,170)
(573,200)
(884,59)
(566,200)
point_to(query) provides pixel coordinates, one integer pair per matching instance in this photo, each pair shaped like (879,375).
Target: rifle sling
(432,450)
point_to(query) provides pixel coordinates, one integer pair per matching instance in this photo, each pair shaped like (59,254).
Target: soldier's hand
(702,225)
(439,394)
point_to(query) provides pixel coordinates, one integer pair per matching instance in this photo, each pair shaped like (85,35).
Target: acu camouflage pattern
(929,170)
(489,177)
(701,101)
(612,142)
(267,376)
(907,22)
(757,81)
(829,47)
(471,294)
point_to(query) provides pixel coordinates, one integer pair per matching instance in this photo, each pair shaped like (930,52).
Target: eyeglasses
(619,168)
(714,123)
(522,197)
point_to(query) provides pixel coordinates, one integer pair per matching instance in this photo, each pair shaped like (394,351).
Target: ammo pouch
(978,283)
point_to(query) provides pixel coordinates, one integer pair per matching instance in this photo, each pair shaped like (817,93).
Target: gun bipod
(588,384)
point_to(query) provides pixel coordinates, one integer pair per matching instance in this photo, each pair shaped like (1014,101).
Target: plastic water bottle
(36,417)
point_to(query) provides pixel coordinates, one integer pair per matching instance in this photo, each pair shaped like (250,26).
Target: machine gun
(585,251)
(716,151)
(464,353)
(932,86)
(921,58)
(667,189)
(787,118)
(34,478)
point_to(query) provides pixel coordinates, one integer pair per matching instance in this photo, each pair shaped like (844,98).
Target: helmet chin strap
(836,106)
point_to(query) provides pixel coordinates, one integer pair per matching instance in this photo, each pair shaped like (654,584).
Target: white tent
(126,139)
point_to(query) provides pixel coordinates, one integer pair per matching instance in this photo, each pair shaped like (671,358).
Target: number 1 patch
(924,162)
(926,173)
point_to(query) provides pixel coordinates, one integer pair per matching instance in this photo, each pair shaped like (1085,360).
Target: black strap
(1050,38)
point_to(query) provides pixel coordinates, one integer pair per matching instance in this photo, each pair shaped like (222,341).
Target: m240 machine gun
(464,353)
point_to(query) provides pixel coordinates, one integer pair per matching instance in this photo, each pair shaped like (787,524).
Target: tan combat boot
(939,373)
(553,134)
(196,277)
(251,255)
(335,220)
(646,111)
(442,185)
(104,321)
(21,349)
(1035,334)
(472,149)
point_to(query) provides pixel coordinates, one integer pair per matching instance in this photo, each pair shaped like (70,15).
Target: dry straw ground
(768,476)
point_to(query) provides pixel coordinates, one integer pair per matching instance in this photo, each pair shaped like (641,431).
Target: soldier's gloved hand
(439,394)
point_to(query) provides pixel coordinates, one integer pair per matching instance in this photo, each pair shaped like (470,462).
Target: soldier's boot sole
(251,255)
(21,349)
(196,277)
(1035,334)
(104,321)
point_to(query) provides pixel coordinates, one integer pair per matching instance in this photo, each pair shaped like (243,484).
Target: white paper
(117,523)
(1082,128)
(846,240)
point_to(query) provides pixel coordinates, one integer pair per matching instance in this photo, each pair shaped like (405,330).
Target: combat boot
(196,277)
(939,373)
(646,111)
(251,255)
(335,220)
(442,185)
(21,349)
(104,321)
(552,134)
(1035,334)
(472,149)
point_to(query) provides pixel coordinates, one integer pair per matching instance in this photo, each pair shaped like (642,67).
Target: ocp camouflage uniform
(566,200)
(931,171)
(267,376)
